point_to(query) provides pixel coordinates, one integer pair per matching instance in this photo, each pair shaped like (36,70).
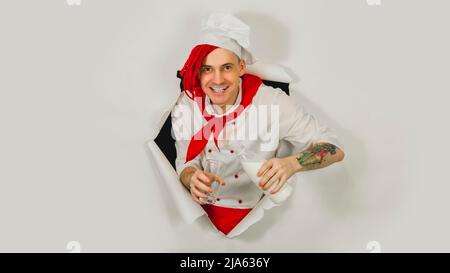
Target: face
(219,76)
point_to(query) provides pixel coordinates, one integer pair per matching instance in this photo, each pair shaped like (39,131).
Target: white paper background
(83,87)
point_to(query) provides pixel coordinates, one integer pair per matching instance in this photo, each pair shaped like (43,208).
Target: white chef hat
(226,31)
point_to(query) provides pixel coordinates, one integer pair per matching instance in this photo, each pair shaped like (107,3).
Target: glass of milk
(251,163)
(215,167)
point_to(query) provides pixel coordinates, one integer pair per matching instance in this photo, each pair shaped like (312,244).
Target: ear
(242,68)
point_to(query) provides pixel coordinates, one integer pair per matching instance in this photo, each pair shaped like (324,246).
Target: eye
(206,69)
(228,67)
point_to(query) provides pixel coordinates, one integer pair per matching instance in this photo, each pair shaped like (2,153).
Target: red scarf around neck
(191,84)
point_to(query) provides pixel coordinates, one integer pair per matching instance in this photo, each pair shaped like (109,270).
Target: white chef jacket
(294,125)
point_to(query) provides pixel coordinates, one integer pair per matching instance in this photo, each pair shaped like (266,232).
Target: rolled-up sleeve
(300,128)
(180,118)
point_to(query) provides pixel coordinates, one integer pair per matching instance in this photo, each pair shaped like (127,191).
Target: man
(218,96)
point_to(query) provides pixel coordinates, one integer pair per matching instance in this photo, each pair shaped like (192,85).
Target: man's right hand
(200,182)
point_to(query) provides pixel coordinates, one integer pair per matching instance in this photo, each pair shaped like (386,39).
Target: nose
(218,77)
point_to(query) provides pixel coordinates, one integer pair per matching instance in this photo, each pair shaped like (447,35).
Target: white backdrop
(83,87)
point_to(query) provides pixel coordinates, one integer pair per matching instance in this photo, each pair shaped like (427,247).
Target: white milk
(252,168)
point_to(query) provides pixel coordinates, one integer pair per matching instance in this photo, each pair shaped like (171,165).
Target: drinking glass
(212,166)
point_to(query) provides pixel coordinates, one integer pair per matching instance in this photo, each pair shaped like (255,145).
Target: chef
(214,119)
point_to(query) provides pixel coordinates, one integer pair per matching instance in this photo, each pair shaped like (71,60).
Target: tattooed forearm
(318,156)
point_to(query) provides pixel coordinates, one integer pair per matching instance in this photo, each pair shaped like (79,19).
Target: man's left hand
(277,169)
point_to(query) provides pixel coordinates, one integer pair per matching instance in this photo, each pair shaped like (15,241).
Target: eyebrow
(206,65)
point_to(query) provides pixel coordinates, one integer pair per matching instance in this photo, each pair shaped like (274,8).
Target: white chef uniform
(294,125)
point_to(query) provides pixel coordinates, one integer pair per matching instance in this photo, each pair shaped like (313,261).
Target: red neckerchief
(214,125)
(191,84)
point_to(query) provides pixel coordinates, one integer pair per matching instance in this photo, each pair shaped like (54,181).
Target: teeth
(218,89)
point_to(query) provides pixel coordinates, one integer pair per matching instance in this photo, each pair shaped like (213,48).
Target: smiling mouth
(219,90)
